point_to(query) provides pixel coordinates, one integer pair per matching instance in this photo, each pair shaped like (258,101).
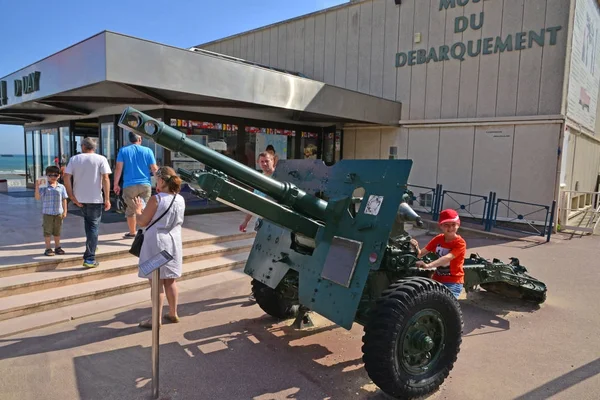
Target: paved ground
(22,240)
(226,348)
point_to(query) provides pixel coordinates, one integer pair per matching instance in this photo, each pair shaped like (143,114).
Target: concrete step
(68,260)
(27,283)
(29,303)
(26,323)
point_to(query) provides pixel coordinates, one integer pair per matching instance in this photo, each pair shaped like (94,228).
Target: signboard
(28,84)
(584,77)
(509,41)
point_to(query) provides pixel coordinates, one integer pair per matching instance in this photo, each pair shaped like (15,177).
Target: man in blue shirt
(135,162)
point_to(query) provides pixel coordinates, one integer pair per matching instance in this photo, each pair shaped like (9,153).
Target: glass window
(66,149)
(50,151)
(107,130)
(220,137)
(29,158)
(258,139)
(309,145)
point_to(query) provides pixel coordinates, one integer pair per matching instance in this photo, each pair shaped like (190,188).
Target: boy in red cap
(451,250)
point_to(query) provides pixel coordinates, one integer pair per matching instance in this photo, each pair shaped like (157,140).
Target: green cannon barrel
(174,140)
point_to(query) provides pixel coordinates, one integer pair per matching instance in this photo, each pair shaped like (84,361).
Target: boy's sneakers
(49,252)
(59,251)
(90,264)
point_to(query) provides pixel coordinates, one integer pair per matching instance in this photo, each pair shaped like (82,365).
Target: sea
(11,167)
(14,164)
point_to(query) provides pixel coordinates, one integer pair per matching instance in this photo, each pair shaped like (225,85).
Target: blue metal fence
(464,206)
(515,218)
(426,198)
(515,221)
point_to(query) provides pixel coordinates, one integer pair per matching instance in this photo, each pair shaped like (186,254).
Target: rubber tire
(393,310)
(271,301)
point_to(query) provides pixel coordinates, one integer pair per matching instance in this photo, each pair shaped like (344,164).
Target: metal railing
(580,211)
(518,220)
(516,215)
(425,199)
(465,205)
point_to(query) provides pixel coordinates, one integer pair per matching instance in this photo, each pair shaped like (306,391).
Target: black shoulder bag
(136,246)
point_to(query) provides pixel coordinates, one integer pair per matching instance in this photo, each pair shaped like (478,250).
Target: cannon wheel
(412,337)
(275,302)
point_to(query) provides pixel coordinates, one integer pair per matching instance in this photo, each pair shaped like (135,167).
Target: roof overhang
(105,73)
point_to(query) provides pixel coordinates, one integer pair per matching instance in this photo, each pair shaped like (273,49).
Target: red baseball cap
(449,215)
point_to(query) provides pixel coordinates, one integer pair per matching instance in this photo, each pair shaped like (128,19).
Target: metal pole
(155,329)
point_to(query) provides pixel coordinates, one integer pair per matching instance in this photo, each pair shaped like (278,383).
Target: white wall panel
(349,144)
(309,47)
(281,46)
(492,160)
(553,66)
(352,47)
(319,70)
(273,46)
(487,85)
(250,54)
(405,44)
(530,66)
(433,89)
(244,47)
(534,173)
(392,17)
(364,47)
(299,44)
(330,32)
(341,47)
(377,48)
(469,69)
(266,47)
(455,168)
(508,73)
(237,42)
(423,150)
(291,49)
(418,84)
(451,71)
(368,144)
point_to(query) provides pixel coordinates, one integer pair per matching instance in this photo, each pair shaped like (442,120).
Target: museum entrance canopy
(101,75)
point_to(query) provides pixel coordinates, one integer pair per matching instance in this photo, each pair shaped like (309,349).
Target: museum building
(483,95)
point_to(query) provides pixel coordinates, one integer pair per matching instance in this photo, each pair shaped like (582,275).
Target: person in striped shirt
(54,208)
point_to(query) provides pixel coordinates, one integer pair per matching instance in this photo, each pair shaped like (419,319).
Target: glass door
(107,133)
(37,158)
(29,158)
(66,147)
(50,154)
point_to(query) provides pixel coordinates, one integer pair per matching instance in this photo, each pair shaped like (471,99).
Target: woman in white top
(165,234)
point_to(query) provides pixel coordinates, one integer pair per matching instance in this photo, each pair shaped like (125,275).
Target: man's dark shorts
(133,191)
(52,225)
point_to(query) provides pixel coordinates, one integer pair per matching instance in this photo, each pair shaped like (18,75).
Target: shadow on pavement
(246,359)
(485,311)
(98,331)
(563,382)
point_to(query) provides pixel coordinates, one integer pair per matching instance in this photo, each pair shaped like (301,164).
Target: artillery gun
(331,240)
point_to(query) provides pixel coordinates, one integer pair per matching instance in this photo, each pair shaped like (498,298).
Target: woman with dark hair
(271,150)
(164,212)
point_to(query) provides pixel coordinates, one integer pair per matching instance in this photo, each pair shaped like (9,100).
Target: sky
(34,29)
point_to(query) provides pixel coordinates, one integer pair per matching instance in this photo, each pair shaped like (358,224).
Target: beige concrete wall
(355,47)
(583,162)
(518,162)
